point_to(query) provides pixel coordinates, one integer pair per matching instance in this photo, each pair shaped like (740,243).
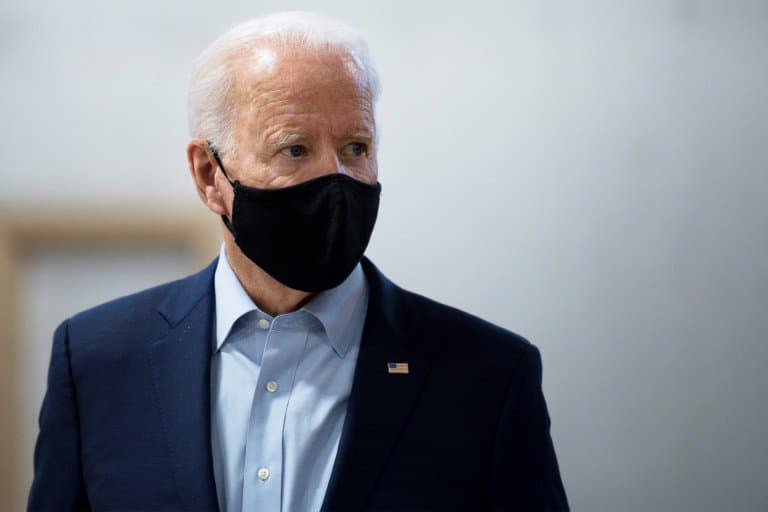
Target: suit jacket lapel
(380,403)
(180,369)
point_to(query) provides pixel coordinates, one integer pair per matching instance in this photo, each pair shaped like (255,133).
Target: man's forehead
(278,69)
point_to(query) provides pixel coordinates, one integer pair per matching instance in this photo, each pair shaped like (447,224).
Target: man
(290,374)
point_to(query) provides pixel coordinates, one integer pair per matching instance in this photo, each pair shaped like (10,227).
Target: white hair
(210,107)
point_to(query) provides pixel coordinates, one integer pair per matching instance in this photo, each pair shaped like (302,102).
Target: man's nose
(329,163)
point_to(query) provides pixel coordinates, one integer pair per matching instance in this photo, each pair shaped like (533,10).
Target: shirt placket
(264,457)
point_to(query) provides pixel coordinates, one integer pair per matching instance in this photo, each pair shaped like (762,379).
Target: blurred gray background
(591,175)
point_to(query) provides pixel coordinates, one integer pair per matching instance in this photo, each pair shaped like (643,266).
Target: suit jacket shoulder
(455,337)
(438,317)
(111,332)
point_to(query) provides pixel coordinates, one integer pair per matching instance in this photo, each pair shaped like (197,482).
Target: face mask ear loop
(221,166)
(234,185)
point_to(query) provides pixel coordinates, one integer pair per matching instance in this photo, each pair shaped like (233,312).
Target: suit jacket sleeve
(525,472)
(58,482)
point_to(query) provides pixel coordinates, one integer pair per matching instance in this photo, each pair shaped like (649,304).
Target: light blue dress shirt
(279,391)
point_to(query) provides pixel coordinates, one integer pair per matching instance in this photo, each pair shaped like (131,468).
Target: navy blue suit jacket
(125,423)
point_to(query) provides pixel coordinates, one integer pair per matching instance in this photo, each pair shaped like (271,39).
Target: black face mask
(308,236)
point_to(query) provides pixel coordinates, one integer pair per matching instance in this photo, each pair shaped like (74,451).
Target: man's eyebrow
(286,139)
(360,134)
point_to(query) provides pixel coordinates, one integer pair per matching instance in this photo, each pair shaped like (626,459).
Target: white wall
(593,177)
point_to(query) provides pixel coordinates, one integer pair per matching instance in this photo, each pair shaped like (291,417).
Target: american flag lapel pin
(397,368)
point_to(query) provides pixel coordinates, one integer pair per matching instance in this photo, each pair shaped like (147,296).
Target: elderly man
(290,375)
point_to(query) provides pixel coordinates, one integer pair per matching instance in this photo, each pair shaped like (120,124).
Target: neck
(270,295)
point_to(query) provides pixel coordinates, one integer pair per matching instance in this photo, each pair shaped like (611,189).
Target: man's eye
(295,151)
(357,148)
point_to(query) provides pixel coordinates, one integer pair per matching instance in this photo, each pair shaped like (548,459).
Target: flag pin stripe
(397,368)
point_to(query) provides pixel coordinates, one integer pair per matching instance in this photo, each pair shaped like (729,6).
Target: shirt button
(262,473)
(264,323)
(271,386)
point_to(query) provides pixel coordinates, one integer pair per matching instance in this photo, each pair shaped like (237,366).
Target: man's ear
(203,168)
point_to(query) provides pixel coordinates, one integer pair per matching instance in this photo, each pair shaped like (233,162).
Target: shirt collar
(232,301)
(340,310)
